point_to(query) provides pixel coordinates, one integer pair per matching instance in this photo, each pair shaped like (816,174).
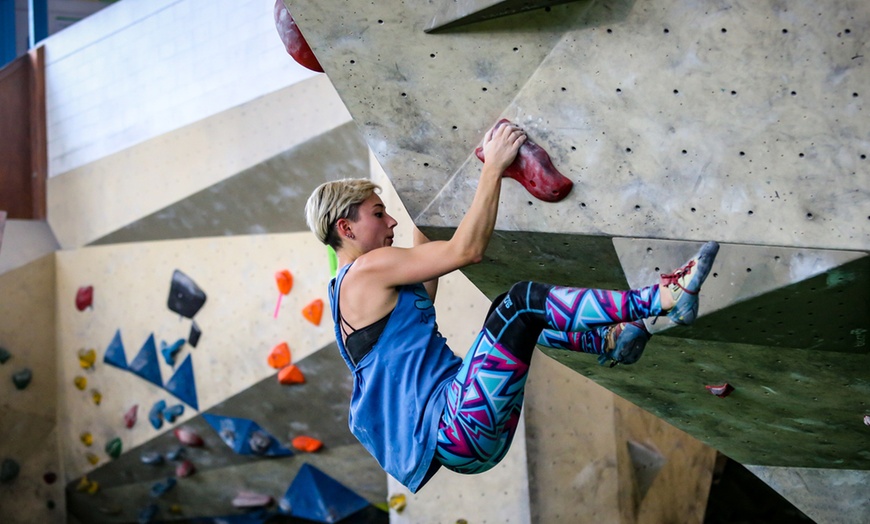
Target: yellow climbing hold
(96,396)
(80,382)
(87,357)
(88,486)
(398,502)
(93,459)
(86,438)
(175,509)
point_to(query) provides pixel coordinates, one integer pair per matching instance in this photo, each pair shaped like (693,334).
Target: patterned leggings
(485,398)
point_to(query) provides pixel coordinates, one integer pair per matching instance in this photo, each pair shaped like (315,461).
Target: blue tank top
(399,386)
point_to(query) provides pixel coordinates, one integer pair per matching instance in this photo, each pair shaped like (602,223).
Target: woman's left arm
(430,285)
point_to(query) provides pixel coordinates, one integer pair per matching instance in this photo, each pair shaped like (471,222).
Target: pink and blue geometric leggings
(485,398)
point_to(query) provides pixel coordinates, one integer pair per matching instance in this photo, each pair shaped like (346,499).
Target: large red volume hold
(293,39)
(535,171)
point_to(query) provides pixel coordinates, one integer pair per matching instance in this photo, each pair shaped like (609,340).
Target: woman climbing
(415,405)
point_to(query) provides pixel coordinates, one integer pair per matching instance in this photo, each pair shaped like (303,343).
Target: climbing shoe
(685,283)
(624,343)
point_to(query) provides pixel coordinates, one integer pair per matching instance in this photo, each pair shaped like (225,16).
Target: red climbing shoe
(685,283)
(535,171)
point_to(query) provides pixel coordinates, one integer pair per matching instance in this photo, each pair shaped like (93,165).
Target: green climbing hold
(333,261)
(9,470)
(22,378)
(4,355)
(113,448)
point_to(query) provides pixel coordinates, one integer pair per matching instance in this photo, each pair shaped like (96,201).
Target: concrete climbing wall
(677,121)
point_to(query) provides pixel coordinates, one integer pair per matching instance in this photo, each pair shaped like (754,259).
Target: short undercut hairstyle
(332,201)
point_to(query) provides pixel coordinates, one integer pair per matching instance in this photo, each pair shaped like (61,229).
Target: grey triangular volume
(646,462)
(453,13)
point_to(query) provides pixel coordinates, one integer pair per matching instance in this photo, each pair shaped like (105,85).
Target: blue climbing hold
(155,416)
(169,351)
(147,514)
(22,378)
(173,412)
(4,355)
(152,458)
(161,488)
(195,333)
(316,496)
(183,385)
(115,355)
(176,454)
(246,437)
(146,365)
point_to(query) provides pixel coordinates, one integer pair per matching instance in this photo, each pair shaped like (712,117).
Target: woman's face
(374,227)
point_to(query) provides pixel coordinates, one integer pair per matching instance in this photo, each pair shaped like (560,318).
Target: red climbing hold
(535,171)
(721,391)
(130,416)
(308,444)
(313,311)
(293,39)
(84,297)
(291,375)
(188,437)
(249,499)
(185,469)
(280,356)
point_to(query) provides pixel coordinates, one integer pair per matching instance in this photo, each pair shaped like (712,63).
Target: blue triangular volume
(182,383)
(145,364)
(316,496)
(114,355)
(236,433)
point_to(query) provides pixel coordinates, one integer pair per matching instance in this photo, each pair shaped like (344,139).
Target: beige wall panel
(461,309)
(91,201)
(28,416)
(131,285)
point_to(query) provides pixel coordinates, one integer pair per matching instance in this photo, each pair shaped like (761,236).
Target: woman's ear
(343,228)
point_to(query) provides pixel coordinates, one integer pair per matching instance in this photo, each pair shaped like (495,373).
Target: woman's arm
(392,267)
(430,285)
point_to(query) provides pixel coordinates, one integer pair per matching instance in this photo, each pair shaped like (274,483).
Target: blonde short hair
(334,200)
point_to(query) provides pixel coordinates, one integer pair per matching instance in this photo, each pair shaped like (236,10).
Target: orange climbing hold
(284,279)
(308,444)
(280,356)
(313,311)
(291,375)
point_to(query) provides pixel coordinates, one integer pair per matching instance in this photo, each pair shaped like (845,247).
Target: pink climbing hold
(249,499)
(130,416)
(293,40)
(535,171)
(867,420)
(185,469)
(721,391)
(84,297)
(189,437)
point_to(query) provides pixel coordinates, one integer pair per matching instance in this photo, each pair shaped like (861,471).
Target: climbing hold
(88,486)
(313,311)
(155,416)
(130,416)
(721,391)
(182,384)
(333,260)
(171,413)
(188,437)
(147,514)
(96,396)
(84,297)
(92,459)
(284,280)
(161,488)
(533,169)
(115,355)
(195,333)
(87,357)
(259,442)
(175,509)
(291,375)
(397,502)
(9,470)
(22,378)
(49,504)
(185,469)
(152,458)
(4,355)
(308,444)
(316,496)
(49,477)
(293,40)
(867,420)
(279,356)
(113,448)
(80,382)
(145,364)
(185,297)
(169,351)
(249,499)
(86,438)
(176,454)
